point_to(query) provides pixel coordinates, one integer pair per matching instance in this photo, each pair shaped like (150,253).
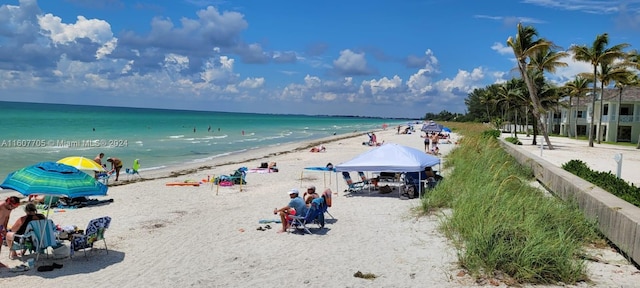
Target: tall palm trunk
(593,104)
(619,110)
(601,111)
(533,94)
(515,125)
(526,120)
(569,117)
(575,130)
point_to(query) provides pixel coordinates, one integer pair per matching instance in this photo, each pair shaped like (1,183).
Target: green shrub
(605,180)
(491,133)
(513,140)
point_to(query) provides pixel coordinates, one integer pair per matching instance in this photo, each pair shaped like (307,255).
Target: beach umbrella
(81,163)
(446,129)
(50,178)
(432,127)
(321,169)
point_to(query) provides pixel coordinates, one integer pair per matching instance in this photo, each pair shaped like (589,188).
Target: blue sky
(365,58)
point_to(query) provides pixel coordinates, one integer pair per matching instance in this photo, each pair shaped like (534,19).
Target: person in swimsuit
(116,165)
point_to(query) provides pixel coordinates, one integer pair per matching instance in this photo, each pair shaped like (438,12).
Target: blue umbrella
(446,129)
(52,178)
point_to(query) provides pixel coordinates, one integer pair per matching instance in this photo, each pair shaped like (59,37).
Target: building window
(580,114)
(624,111)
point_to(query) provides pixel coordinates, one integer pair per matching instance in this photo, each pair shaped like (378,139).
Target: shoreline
(232,159)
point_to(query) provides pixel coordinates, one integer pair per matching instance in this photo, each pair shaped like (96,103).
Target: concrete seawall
(617,219)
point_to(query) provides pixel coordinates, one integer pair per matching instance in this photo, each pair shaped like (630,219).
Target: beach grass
(503,225)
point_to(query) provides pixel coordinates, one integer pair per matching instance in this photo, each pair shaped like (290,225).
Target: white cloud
(384,84)
(252,83)
(464,81)
(98,31)
(502,49)
(350,63)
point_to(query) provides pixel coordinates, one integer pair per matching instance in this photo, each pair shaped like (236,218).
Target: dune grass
(503,225)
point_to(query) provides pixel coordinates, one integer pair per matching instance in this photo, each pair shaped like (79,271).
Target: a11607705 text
(84,143)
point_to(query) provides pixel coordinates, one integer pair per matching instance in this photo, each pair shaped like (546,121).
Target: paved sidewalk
(600,157)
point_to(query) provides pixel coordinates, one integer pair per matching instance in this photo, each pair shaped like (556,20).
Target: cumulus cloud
(285,57)
(351,63)
(98,31)
(502,49)
(252,83)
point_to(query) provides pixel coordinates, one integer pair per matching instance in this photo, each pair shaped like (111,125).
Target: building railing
(629,118)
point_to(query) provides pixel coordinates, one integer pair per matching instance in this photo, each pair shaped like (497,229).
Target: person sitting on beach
(8,205)
(273,167)
(116,165)
(429,173)
(310,195)
(296,206)
(20,226)
(318,149)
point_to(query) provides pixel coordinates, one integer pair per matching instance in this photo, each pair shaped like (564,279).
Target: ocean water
(33,132)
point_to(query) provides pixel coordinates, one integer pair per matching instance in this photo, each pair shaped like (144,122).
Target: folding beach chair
(39,235)
(103,177)
(94,233)
(133,171)
(314,215)
(352,186)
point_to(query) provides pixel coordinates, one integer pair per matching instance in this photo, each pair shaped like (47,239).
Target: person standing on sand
(98,160)
(116,165)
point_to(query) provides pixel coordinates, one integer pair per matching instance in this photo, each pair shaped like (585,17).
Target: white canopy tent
(390,157)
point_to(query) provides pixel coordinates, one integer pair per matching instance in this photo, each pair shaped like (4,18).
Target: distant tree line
(526,99)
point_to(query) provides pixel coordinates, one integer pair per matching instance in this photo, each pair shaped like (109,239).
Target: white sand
(204,237)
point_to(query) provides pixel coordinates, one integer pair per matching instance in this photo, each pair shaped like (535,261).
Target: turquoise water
(33,132)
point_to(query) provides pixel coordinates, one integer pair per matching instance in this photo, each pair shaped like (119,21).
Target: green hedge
(606,181)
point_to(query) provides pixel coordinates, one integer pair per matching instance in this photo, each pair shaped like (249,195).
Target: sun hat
(294,191)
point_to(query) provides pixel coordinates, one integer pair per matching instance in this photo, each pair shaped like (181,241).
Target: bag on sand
(385,189)
(61,252)
(408,191)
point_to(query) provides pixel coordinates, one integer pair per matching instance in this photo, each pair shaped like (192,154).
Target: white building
(620,121)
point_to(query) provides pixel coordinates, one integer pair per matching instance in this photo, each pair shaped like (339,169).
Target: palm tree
(624,80)
(524,46)
(608,72)
(576,88)
(596,55)
(543,60)
(509,95)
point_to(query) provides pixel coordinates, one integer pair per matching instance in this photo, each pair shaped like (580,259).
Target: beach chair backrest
(43,233)
(347,178)
(326,195)
(96,227)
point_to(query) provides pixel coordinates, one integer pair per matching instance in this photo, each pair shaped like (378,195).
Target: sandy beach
(207,236)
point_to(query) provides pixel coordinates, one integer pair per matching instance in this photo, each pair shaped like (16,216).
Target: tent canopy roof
(390,157)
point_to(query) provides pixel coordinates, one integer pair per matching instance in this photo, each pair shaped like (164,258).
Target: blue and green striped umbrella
(51,178)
